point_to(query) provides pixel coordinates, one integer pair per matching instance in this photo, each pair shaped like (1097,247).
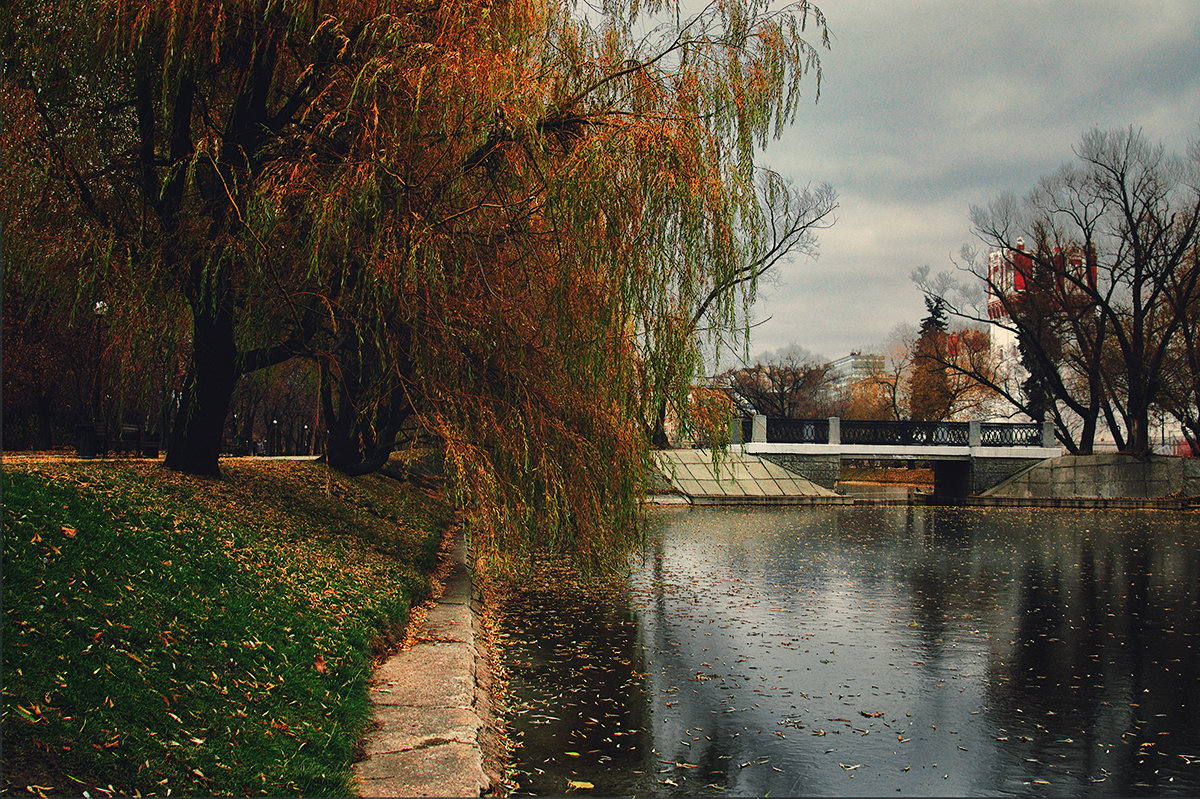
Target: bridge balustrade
(1010,434)
(905,433)
(798,431)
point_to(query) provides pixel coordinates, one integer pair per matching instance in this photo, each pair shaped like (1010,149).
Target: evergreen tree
(930,396)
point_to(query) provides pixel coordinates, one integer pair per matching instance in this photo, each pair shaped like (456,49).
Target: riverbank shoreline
(166,632)
(435,732)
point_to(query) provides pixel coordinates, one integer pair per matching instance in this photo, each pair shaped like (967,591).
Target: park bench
(134,441)
(91,440)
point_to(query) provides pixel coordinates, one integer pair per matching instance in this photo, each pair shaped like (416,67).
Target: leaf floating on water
(849,767)
(580,785)
(865,714)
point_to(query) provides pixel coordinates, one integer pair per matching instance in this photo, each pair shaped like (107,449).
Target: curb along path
(428,705)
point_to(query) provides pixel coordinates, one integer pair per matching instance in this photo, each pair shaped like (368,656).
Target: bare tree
(1098,298)
(1181,371)
(791,387)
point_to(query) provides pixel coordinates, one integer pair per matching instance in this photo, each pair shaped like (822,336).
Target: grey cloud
(929,107)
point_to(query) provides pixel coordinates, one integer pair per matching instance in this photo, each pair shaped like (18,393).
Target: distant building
(854,368)
(1012,273)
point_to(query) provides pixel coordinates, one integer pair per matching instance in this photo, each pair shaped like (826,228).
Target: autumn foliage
(470,216)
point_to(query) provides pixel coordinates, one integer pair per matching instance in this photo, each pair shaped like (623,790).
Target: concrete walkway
(428,706)
(741,479)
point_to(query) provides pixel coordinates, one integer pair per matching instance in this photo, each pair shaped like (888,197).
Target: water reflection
(869,650)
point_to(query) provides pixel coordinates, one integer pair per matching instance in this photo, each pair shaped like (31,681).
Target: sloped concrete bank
(740,479)
(431,703)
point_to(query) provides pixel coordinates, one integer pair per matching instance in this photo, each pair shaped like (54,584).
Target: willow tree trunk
(200,422)
(658,433)
(364,400)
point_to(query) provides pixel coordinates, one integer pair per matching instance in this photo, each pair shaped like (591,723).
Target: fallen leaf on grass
(69,532)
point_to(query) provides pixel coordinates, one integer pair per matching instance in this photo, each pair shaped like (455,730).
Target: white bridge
(967,457)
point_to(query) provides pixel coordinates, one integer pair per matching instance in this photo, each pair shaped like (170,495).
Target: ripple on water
(867,650)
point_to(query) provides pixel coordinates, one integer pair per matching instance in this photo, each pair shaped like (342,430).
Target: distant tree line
(912,380)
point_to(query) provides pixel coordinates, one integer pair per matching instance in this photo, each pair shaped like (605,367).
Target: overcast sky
(929,107)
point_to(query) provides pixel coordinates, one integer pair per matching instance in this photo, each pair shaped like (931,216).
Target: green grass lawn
(166,634)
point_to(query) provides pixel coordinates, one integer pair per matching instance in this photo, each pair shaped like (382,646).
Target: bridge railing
(798,431)
(1010,434)
(906,433)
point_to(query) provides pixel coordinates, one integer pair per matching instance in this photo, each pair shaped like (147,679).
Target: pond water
(867,651)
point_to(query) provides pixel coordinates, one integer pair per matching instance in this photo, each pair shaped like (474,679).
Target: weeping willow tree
(782,224)
(485,216)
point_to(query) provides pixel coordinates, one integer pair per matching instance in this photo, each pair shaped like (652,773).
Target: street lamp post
(101,311)
(88,443)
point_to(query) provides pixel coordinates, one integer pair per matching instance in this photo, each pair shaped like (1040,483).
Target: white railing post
(835,431)
(758,432)
(1048,437)
(974,433)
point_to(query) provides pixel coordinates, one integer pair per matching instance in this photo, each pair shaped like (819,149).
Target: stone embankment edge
(1131,503)
(430,702)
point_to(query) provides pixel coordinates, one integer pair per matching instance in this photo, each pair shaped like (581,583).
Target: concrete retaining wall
(824,470)
(1107,475)
(987,473)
